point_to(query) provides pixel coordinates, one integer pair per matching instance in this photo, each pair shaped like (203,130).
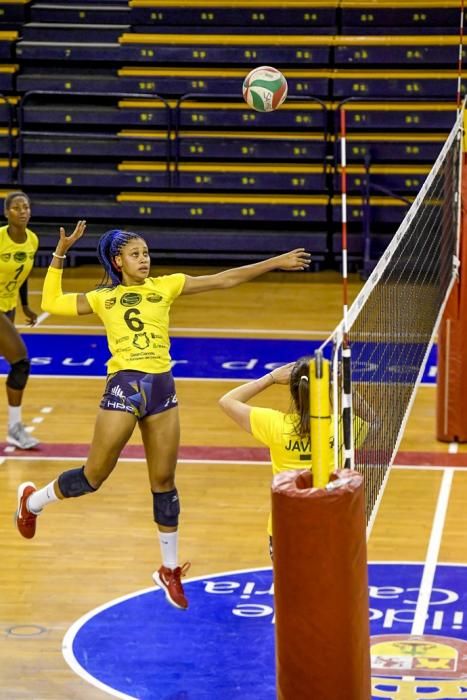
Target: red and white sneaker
(25,520)
(170,582)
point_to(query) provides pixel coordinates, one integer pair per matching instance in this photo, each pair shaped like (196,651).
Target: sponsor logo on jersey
(154,298)
(20,256)
(110,302)
(130,299)
(5,256)
(141,341)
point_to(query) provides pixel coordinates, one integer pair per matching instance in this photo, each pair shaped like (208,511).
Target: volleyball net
(377,357)
(381,348)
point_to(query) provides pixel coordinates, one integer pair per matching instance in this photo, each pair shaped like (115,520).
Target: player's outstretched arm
(234,402)
(54,301)
(294,260)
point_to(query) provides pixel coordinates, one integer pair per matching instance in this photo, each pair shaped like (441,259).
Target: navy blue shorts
(10,314)
(139,393)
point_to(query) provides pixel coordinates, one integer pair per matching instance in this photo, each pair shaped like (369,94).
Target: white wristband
(56,255)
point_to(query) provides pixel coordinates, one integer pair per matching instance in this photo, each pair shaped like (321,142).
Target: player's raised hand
(281,375)
(297,259)
(65,242)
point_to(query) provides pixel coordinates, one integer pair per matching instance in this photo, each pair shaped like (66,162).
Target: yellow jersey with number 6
(16,261)
(136,321)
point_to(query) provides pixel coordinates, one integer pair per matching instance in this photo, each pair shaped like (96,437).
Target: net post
(347,407)
(321,598)
(451,419)
(346,355)
(320,418)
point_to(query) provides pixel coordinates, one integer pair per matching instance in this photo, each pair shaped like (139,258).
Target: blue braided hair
(109,246)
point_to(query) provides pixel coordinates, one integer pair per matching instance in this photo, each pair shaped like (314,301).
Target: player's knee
(73,483)
(19,373)
(166,508)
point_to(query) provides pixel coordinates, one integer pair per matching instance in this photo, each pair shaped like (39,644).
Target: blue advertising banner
(210,358)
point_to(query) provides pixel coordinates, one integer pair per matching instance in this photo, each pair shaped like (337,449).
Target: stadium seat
(95,12)
(401,17)
(13,14)
(254,14)
(133,109)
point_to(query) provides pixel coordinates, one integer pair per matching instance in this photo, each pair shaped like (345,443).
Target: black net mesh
(392,323)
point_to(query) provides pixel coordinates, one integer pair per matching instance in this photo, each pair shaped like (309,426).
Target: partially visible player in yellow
(18,246)
(286,434)
(134,309)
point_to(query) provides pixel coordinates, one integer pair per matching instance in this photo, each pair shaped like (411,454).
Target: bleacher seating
(132,111)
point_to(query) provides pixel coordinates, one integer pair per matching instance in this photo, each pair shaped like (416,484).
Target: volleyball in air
(264,89)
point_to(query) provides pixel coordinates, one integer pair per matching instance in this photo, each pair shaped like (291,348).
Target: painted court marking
(429,570)
(129,647)
(180,329)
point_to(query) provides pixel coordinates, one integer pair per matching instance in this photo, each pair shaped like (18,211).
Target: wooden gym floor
(102,547)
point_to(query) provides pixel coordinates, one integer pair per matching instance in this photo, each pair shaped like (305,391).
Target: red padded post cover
(451,416)
(320,589)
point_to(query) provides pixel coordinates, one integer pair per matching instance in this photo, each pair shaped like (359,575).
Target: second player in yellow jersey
(18,245)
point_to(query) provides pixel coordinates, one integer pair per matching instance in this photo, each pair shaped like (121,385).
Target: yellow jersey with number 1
(16,261)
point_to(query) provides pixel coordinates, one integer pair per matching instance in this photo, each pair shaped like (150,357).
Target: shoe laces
(20,433)
(184,568)
(24,512)
(180,571)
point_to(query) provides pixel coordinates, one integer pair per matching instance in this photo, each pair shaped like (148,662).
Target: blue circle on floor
(141,648)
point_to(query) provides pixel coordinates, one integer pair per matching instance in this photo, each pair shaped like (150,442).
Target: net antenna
(381,346)
(459,59)
(347,443)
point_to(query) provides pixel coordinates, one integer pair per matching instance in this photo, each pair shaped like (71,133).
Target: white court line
(428,467)
(242,462)
(42,458)
(429,570)
(188,329)
(39,320)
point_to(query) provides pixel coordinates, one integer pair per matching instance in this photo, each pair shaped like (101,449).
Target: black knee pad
(19,373)
(73,483)
(166,508)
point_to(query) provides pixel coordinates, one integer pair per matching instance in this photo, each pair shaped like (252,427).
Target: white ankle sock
(169,548)
(14,415)
(41,498)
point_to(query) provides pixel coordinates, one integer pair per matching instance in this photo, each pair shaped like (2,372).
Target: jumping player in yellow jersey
(134,309)
(18,245)
(286,434)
